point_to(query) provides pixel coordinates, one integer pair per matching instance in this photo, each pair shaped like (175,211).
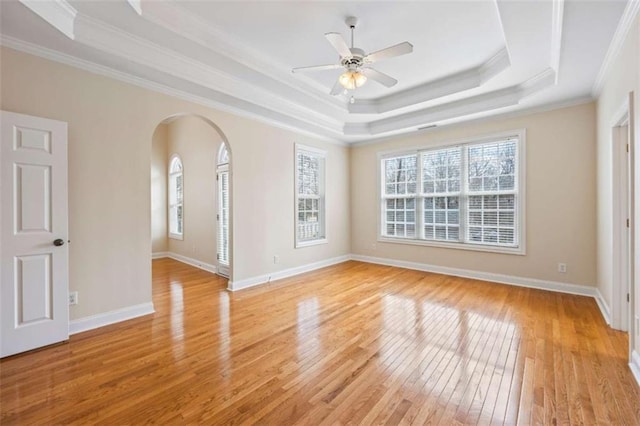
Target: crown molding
(626,23)
(494,117)
(175,18)
(484,102)
(459,82)
(557,19)
(121,44)
(58,13)
(268,117)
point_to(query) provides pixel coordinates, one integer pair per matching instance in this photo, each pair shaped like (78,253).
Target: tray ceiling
(471,58)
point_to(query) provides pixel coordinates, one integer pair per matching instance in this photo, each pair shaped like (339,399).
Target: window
(223,217)
(176,189)
(469,195)
(310,200)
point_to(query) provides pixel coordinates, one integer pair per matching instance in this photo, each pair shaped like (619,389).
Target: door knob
(59,242)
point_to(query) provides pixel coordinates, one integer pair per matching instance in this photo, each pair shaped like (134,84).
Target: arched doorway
(203,233)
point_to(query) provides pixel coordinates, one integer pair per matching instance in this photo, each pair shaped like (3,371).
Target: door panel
(32,184)
(33,288)
(33,271)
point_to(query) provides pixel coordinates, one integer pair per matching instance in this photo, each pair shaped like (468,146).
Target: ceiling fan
(356,62)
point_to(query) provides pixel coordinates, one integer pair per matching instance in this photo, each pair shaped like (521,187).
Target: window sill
(300,244)
(460,246)
(176,236)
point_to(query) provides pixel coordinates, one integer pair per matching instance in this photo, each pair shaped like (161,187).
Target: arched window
(176,191)
(223,155)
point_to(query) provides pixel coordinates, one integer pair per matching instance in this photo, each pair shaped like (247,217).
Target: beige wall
(560,198)
(111,124)
(623,77)
(159,242)
(197,143)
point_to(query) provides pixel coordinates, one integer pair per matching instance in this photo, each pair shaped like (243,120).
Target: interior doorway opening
(201,201)
(622,232)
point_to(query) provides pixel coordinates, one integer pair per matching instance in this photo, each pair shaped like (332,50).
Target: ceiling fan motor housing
(355,61)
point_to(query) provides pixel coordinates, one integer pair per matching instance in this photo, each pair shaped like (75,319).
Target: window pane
(492,219)
(310,187)
(400,217)
(492,166)
(441,223)
(400,175)
(308,174)
(441,170)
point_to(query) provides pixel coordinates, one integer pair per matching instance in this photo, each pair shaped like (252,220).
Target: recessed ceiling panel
(447,36)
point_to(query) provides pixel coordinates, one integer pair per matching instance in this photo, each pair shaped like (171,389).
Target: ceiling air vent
(430,126)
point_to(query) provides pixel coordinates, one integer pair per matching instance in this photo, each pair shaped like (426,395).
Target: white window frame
(520,249)
(322,204)
(173,235)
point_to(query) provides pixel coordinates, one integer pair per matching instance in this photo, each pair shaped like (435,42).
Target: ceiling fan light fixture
(352,79)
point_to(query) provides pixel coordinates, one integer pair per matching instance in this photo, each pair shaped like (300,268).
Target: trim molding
(559,287)
(269,117)
(455,83)
(107,318)
(626,23)
(188,260)
(604,308)
(501,98)
(501,116)
(634,364)
(159,254)
(267,278)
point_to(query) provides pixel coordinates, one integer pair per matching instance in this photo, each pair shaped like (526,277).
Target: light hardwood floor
(353,343)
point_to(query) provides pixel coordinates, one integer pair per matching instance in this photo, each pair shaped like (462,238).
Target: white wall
(622,78)
(110,132)
(560,198)
(159,166)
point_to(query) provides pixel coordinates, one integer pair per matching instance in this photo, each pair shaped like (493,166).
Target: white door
(33,241)
(223,220)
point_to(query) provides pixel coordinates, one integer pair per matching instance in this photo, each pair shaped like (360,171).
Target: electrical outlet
(73,298)
(562,268)
(276,259)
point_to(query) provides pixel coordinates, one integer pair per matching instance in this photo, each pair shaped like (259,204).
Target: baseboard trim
(580,290)
(634,364)
(107,318)
(188,260)
(159,255)
(263,279)
(604,308)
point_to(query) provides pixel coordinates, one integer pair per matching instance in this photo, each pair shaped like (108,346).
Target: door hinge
(627,223)
(218,218)
(218,258)
(218,176)
(627,297)
(627,147)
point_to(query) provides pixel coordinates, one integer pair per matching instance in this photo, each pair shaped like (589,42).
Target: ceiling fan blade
(317,68)
(337,88)
(339,44)
(389,52)
(381,78)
